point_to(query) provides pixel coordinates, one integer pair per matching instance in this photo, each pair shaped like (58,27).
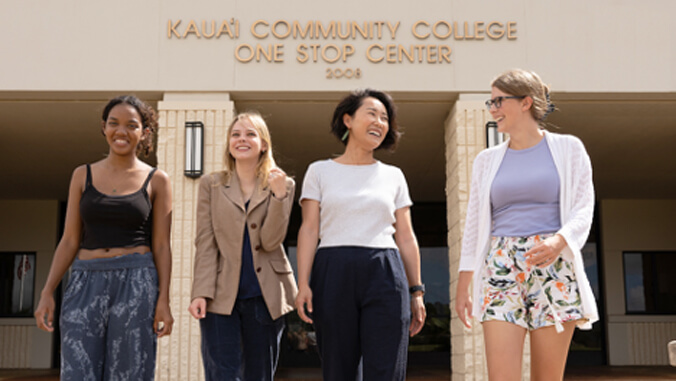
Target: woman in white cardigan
(530,210)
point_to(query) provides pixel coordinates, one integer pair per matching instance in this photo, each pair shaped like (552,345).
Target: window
(17,281)
(649,282)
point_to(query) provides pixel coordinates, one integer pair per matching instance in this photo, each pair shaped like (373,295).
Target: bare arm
(308,236)
(410,255)
(161,245)
(65,251)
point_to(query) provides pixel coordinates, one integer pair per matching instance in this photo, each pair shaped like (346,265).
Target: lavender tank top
(525,193)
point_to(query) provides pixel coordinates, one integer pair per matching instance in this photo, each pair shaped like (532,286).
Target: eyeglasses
(497,101)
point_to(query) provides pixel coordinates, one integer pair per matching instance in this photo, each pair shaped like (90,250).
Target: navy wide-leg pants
(362,313)
(242,346)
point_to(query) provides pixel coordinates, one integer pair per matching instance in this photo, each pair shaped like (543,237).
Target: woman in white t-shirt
(358,257)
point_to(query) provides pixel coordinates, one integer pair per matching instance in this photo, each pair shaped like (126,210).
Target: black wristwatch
(414,289)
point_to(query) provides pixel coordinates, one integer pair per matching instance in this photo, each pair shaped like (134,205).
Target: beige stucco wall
(578,45)
(31,226)
(640,225)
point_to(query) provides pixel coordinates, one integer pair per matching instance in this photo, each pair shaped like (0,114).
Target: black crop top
(115,221)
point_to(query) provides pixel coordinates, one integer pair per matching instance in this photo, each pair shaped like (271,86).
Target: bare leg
(549,351)
(504,350)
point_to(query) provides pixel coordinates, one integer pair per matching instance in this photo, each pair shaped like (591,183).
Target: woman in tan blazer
(243,282)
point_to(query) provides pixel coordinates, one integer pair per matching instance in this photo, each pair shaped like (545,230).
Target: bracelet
(416,288)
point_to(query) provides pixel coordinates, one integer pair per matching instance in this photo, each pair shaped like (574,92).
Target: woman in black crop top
(116,237)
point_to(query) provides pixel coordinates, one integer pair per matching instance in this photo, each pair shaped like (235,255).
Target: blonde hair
(519,82)
(265,162)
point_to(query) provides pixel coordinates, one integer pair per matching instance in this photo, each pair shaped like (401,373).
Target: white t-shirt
(356,202)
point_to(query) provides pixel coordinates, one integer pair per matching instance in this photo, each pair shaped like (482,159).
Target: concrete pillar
(178,356)
(465,138)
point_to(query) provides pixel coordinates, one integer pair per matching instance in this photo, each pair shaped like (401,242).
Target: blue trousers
(362,313)
(243,345)
(107,319)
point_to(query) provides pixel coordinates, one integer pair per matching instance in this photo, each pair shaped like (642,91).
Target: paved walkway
(633,373)
(625,373)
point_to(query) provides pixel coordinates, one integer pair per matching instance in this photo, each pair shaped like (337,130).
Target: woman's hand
(277,182)
(303,300)
(198,308)
(44,313)
(463,307)
(545,252)
(163,322)
(418,314)
(463,300)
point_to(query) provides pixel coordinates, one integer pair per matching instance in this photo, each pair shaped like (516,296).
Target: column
(465,138)
(178,356)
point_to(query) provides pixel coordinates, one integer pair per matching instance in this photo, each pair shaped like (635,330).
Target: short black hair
(352,102)
(148,118)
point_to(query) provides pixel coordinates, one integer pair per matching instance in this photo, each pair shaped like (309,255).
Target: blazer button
(258,270)
(258,247)
(254,226)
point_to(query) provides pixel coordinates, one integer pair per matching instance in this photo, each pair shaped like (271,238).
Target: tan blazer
(221,216)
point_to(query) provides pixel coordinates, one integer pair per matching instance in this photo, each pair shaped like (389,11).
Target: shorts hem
(504,321)
(578,320)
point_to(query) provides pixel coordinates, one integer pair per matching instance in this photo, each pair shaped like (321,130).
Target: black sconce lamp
(194,149)
(493,137)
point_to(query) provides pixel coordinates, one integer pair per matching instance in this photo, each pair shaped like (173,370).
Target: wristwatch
(420,287)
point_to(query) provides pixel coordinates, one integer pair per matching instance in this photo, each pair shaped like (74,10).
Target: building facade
(611,65)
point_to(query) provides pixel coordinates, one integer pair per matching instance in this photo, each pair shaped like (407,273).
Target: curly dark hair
(148,119)
(352,102)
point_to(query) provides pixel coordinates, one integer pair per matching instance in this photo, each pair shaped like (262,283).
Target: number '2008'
(343,73)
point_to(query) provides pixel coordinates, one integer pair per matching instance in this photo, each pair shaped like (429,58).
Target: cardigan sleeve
(470,238)
(578,217)
(206,253)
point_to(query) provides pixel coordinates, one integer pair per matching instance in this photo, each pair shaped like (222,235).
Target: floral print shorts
(528,296)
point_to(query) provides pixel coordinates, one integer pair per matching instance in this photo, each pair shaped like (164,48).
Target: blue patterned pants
(107,319)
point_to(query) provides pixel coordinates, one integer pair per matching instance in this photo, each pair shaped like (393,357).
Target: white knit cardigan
(576,209)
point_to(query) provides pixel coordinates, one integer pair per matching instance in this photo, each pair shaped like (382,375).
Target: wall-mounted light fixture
(493,137)
(194,149)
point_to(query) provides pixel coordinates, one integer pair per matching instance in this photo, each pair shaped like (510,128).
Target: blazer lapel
(232,191)
(259,195)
